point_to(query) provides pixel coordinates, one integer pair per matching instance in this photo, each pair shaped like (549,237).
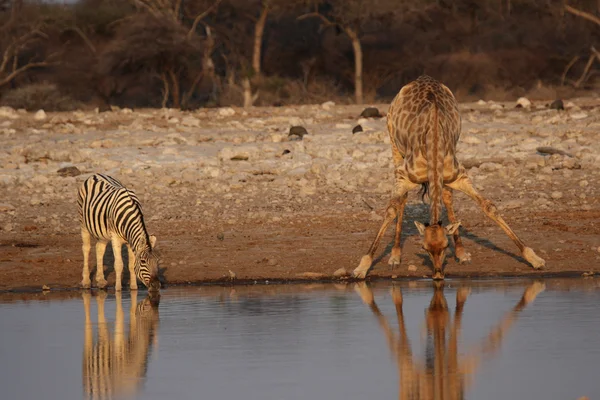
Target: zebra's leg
(100,248)
(132,277)
(117,243)
(86,238)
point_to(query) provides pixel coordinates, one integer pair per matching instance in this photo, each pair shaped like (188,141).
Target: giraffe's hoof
(532,291)
(394,260)
(101,283)
(395,257)
(133,287)
(438,276)
(533,259)
(363,268)
(86,284)
(462,294)
(364,292)
(463,257)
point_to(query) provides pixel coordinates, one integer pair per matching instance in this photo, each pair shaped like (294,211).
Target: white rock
(40,115)
(470,140)
(481,102)
(343,126)
(524,102)
(412,267)
(190,121)
(8,227)
(8,112)
(583,183)
(496,106)
(556,195)
(226,112)
(489,167)
(579,115)
(327,105)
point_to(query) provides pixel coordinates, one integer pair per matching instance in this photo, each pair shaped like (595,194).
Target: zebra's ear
(152,241)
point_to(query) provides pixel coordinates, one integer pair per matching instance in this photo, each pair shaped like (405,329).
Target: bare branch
(582,14)
(323,18)
(200,17)
(16,45)
(586,70)
(26,67)
(567,68)
(84,37)
(596,52)
(188,95)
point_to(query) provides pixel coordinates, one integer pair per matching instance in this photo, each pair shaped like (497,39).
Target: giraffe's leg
(117,243)
(463,184)
(100,248)
(131,262)
(403,185)
(396,250)
(86,247)
(459,249)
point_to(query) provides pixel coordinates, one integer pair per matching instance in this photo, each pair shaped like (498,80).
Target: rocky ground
(232,197)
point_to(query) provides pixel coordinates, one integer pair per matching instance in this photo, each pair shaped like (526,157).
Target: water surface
(466,339)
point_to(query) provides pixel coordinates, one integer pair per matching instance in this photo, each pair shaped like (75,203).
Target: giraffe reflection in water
(116,366)
(444,375)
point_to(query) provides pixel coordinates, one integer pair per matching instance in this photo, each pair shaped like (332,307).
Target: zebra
(108,211)
(114,366)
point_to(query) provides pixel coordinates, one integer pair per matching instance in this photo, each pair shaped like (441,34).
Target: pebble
(40,115)
(4,207)
(339,273)
(523,102)
(412,268)
(556,195)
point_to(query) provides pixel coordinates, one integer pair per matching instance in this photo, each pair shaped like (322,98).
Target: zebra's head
(147,265)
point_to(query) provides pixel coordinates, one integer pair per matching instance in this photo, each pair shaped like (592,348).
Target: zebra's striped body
(115,366)
(108,211)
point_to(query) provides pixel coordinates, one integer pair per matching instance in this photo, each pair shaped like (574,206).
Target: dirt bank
(227,192)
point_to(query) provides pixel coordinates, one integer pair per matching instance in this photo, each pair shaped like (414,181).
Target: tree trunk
(358,65)
(247,92)
(175,93)
(259,30)
(166,91)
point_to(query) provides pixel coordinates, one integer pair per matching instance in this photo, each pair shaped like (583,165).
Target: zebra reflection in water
(444,375)
(116,366)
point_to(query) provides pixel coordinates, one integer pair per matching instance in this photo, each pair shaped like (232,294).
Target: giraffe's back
(410,119)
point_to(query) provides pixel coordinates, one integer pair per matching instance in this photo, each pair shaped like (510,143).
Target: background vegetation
(188,54)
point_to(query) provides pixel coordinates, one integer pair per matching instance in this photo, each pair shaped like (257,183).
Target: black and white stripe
(109,212)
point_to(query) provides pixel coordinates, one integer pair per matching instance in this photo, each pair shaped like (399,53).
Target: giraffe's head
(435,242)
(147,266)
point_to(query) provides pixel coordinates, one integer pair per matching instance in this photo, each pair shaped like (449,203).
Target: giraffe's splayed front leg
(532,258)
(365,264)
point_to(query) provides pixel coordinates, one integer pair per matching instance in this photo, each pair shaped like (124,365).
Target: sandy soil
(227,192)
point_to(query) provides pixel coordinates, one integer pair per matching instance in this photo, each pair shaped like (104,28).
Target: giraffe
(424,127)
(445,374)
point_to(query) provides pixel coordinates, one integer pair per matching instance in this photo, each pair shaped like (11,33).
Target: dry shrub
(285,91)
(38,96)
